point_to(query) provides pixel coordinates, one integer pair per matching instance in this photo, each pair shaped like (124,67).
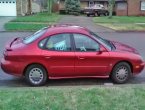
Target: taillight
(9,49)
(6,54)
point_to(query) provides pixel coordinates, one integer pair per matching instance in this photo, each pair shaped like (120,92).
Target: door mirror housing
(102,49)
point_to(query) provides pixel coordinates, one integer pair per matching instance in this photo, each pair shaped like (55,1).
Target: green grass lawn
(33,22)
(40,17)
(122,23)
(120,19)
(75,98)
(12,26)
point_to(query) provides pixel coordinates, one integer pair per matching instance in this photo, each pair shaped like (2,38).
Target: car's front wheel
(121,73)
(88,15)
(36,75)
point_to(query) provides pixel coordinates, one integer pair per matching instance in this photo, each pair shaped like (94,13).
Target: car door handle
(47,57)
(81,58)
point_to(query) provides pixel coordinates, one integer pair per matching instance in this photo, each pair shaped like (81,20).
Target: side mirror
(102,49)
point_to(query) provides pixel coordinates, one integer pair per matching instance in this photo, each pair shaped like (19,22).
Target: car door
(59,56)
(89,61)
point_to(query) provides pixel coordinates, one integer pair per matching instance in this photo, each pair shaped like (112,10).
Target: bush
(72,6)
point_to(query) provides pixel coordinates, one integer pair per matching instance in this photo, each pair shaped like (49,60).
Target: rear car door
(58,55)
(89,61)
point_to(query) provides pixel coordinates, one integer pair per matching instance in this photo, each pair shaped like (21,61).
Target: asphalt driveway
(85,22)
(135,40)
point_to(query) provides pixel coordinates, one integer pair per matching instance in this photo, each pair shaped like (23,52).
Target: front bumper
(139,68)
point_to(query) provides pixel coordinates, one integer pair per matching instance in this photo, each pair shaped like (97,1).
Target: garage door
(8,8)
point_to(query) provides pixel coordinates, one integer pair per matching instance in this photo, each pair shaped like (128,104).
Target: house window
(143,5)
(91,3)
(121,6)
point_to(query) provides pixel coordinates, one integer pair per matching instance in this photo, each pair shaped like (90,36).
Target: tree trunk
(111,7)
(50,6)
(29,7)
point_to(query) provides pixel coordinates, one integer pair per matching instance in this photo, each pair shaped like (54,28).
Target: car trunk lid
(12,42)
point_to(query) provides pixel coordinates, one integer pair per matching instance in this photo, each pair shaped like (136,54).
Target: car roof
(67,28)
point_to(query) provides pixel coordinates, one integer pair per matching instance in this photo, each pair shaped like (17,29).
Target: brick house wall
(129,8)
(134,8)
(121,8)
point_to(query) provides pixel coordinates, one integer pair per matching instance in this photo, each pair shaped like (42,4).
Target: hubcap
(122,73)
(36,75)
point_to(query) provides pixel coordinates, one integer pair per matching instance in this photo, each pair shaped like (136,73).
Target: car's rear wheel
(36,75)
(121,73)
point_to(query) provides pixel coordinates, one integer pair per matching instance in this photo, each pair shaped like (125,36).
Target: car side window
(59,42)
(85,44)
(42,43)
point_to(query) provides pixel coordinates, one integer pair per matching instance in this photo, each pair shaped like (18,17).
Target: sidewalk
(85,22)
(4,20)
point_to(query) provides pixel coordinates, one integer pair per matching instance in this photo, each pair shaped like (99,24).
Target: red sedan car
(65,51)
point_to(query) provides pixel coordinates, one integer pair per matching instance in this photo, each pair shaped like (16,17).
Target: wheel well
(24,71)
(131,66)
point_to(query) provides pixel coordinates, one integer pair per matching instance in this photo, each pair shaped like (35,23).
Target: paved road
(4,20)
(136,40)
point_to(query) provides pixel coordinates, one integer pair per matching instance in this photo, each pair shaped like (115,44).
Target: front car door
(88,59)
(58,56)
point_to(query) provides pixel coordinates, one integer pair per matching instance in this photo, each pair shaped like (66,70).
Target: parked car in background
(96,10)
(67,51)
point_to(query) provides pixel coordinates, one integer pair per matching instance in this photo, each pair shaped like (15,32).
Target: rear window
(33,37)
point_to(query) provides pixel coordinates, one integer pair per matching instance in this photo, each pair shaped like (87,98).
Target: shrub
(72,6)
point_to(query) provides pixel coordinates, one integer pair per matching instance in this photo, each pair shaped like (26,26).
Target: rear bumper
(12,68)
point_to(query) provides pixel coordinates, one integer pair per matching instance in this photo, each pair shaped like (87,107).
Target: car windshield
(108,44)
(33,37)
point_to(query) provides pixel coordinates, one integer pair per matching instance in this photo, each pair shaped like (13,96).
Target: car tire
(95,14)
(88,15)
(36,75)
(121,73)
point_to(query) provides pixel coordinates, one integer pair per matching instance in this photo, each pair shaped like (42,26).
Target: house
(130,8)
(89,3)
(20,7)
(122,7)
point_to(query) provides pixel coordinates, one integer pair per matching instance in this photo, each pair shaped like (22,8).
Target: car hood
(124,48)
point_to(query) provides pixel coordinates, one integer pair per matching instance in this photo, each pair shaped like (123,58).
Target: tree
(111,7)
(50,6)
(29,9)
(72,6)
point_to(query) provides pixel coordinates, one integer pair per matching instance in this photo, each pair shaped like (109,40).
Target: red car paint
(73,64)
